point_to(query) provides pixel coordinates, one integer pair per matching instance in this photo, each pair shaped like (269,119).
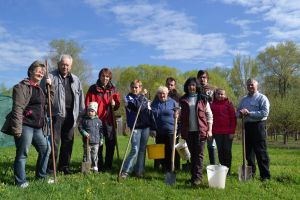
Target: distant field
(285,183)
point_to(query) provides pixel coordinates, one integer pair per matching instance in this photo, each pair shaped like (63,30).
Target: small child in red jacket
(224,123)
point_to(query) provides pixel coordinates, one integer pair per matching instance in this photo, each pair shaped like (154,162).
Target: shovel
(171,176)
(245,172)
(86,166)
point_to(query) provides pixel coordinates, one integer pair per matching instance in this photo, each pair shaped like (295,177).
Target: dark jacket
(93,127)
(201,116)
(163,113)
(145,118)
(22,93)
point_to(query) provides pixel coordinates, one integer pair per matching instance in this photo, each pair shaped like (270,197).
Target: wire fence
(5,108)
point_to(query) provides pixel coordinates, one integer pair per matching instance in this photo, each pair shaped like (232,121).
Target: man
(208,91)
(171,85)
(254,108)
(67,106)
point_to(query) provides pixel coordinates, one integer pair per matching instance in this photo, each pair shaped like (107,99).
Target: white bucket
(183,150)
(216,175)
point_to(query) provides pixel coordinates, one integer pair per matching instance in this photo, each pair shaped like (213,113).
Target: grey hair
(63,56)
(162,89)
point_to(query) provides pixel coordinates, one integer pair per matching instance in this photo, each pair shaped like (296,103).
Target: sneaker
(95,168)
(50,181)
(124,175)
(196,183)
(24,185)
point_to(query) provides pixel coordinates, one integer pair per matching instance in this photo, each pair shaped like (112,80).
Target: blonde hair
(161,89)
(136,81)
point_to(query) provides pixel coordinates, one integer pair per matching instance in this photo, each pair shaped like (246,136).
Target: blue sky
(186,34)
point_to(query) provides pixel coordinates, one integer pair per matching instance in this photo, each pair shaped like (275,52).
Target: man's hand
(244,112)
(209,135)
(48,81)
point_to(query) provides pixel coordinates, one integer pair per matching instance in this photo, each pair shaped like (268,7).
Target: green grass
(285,182)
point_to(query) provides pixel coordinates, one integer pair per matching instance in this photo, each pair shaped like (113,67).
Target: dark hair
(33,66)
(202,72)
(188,82)
(106,71)
(170,79)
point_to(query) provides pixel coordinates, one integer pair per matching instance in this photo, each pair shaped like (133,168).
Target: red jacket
(103,98)
(224,117)
(184,117)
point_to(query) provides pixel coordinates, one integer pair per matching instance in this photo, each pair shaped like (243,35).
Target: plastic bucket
(156,151)
(216,175)
(183,150)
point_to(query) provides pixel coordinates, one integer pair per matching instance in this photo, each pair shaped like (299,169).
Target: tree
(79,67)
(5,91)
(280,65)
(244,67)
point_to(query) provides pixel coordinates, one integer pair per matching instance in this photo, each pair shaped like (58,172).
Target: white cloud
(245,26)
(285,15)
(170,32)
(17,52)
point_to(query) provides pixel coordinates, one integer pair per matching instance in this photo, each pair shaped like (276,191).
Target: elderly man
(68,104)
(254,108)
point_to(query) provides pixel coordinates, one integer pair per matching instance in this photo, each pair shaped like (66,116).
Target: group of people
(204,113)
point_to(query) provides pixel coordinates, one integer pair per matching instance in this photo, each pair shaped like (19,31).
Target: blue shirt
(258,106)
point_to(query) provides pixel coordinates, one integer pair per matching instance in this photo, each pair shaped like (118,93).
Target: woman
(133,101)
(163,109)
(223,126)
(196,125)
(27,122)
(105,94)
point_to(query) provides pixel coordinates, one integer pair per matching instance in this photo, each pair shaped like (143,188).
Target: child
(224,124)
(91,128)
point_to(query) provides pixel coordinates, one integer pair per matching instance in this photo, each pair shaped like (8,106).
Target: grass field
(285,182)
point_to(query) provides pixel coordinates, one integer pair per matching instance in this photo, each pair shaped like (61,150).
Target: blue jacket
(145,118)
(164,115)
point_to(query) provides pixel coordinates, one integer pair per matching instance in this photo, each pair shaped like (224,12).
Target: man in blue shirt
(255,109)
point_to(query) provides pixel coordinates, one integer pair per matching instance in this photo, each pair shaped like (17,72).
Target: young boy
(91,129)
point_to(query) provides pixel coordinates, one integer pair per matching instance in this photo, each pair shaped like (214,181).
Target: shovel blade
(170,178)
(85,167)
(245,173)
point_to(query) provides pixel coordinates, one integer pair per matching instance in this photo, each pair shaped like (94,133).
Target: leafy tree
(5,91)
(79,67)
(280,66)
(244,67)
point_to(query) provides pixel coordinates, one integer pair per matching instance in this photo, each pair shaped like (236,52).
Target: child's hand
(87,135)
(101,142)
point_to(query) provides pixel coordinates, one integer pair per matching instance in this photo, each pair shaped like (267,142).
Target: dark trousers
(166,163)
(255,135)
(196,148)
(63,132)
(110,142)
(224,145)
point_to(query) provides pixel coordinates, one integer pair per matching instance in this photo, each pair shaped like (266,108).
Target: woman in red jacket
(105,94)
(224,123)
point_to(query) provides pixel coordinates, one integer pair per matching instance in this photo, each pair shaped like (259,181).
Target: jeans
(35,137)
(211,148)
(93,152)
(136,157)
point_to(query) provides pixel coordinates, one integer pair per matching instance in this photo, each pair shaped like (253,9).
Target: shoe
(50,172)
(67,171)
(24,185)
(196,183)
(139,175)
(50,181)
(264,180)
(124,175)
(94,169)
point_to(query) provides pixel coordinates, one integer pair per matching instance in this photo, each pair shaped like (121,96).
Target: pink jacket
(224,117)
